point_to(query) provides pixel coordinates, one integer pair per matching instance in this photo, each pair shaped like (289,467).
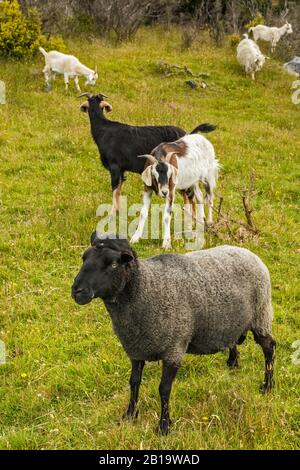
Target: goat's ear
(126,257)
(147,176)
(174,174)
(84,107)
(105,105)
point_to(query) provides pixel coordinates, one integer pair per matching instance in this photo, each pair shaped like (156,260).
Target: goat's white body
(67,65)
(199,164)
(270,34)
(250,56)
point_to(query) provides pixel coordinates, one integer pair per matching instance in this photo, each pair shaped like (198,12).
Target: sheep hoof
(232,364)
(164,426)
(167,245)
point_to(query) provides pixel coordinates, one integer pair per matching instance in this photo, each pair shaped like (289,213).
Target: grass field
(65,383)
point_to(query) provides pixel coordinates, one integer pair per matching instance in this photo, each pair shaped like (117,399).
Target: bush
(20,35)
(54,43)
(234,40)
(258,19)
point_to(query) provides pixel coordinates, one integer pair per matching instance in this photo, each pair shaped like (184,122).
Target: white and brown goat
(179,165)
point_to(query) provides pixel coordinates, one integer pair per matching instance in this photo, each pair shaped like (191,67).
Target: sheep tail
(43,51)
(204,128)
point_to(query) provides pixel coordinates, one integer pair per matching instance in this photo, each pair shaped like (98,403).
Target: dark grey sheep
(169,305)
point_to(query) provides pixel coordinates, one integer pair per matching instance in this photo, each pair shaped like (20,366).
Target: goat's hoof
(266,387)
(130,414)
(164,427)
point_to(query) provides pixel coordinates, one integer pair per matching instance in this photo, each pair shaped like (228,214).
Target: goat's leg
(66,80)
(167,222)
(135,382)
(210,186)
(200,200)
(147,196)
(77,84)
(268,345)
(116,184)
(168,375)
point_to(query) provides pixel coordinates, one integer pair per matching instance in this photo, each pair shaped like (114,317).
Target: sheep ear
(94,238)
(126,257)
(147,176)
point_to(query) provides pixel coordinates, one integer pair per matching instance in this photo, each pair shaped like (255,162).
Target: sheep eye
(114,264)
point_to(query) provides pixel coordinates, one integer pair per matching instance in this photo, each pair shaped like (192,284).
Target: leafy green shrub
(258,19)
(54,43)
(20,35)
(234,40)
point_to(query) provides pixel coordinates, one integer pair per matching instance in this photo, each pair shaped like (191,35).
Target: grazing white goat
(180,166)
(249,56)
(68,66)
(270,34)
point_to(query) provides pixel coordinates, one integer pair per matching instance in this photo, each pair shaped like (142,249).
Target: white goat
(180,166)
(68,66)
(270,34)
(249,56)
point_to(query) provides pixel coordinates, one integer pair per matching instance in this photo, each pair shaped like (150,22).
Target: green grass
(65,381)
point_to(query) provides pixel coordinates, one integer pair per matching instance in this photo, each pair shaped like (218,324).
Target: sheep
(120,144)
(68,66)
(270,34)
(249,56)
(163,307)
(179,165)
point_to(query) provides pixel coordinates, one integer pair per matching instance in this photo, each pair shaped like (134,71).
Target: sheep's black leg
(232,361)
(116,184)
(168,375)
(135,381)
(268,345)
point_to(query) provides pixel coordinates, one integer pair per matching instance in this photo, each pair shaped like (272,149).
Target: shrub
(258,19)
(20,35)
(234,40)
(54,43)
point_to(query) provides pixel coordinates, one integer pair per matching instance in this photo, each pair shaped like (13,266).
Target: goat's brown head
(161,174)
(98,99)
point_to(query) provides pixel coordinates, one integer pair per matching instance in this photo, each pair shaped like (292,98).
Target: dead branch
(170,69)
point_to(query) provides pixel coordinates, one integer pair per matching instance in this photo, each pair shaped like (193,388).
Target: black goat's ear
(126,257)
(94,239)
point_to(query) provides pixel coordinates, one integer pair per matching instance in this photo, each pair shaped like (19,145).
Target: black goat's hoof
(130,415)
(164,427)
(266,387)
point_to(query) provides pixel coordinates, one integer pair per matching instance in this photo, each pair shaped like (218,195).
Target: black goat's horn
(101,95)
(89,95)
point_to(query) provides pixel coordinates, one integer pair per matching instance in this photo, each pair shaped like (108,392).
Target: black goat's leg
(116,185)
(135,382)
(168,375)
(268,345)
(232,361)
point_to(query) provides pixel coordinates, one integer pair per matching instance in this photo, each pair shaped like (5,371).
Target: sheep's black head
(95,100)
(105,268)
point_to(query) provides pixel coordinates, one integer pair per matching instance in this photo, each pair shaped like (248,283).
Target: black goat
(120,144)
